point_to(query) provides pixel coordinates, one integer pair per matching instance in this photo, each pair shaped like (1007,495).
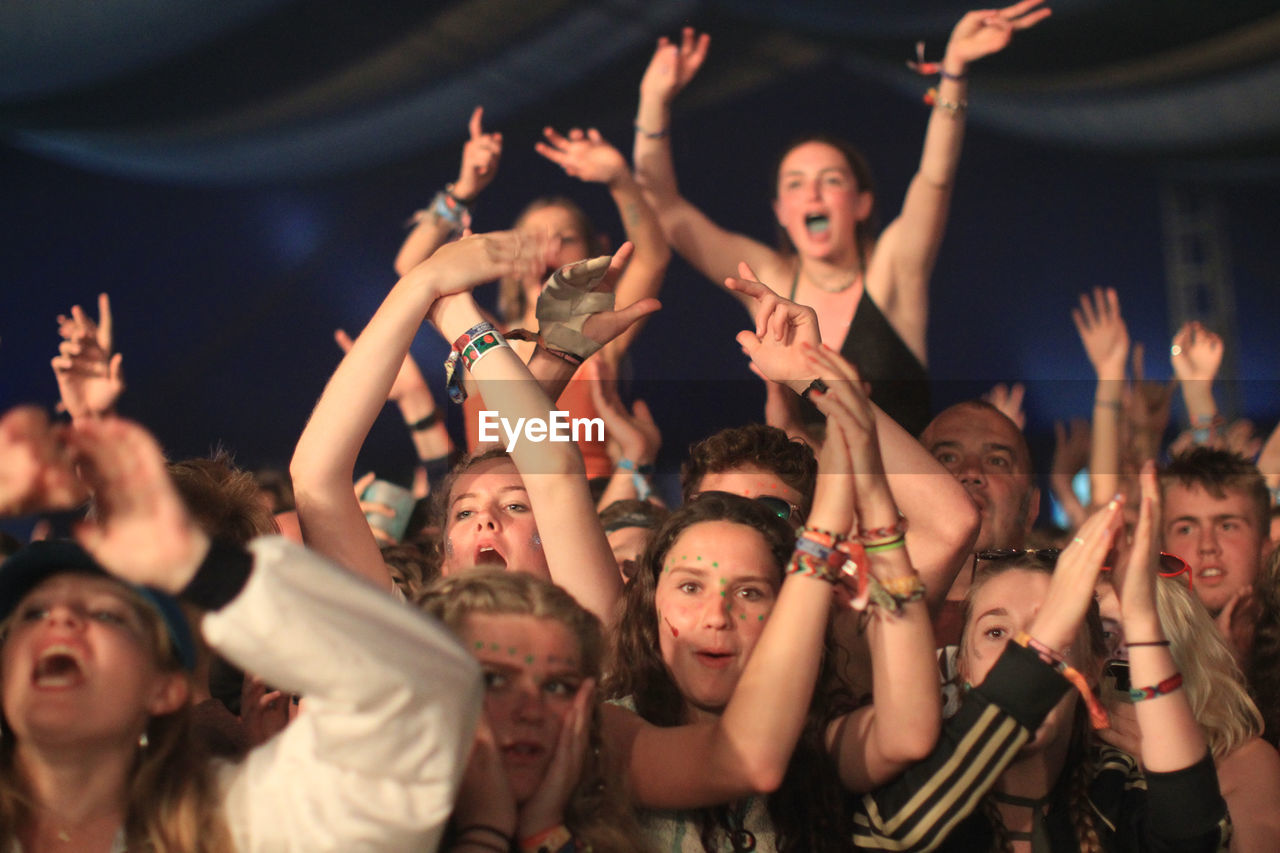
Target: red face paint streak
(674,632)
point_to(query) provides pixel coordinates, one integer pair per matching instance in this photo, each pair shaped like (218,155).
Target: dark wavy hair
(764,446)
(865,232)
(1217,472)
(810,810)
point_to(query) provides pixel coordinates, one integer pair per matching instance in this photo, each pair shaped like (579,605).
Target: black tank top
(899,382)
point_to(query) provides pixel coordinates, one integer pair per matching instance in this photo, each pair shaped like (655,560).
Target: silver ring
(1175,350)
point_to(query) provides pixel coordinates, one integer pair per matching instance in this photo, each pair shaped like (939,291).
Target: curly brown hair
(763,446)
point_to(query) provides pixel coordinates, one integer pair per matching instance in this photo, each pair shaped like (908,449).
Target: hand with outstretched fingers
(1008,399)
(567,315)
(674,65)
(480,157)
(1103,333)
(583,155)
(545,809)
(141,531)
(781,327)
(987,31)
(37,464)
(90,375)
(637,435)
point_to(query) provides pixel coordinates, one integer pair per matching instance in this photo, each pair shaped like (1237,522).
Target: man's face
(982,449)
(1219,537)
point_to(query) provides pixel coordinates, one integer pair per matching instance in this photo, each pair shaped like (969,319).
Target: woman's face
(490,522)
(1001,608)
(715,591)
(532,671)
(80,666)
(819,202)
(571,243)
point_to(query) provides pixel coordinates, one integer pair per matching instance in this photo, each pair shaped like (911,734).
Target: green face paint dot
(742,616)
(511,651)
(722,593)
(528,659)
(480,644)
(494,646)
(698,558)
(760,617)
(715,565)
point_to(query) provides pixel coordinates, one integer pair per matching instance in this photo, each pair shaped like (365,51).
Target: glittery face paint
(718,586)
(532,672)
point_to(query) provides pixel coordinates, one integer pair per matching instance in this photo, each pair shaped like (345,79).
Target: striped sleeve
(918,810)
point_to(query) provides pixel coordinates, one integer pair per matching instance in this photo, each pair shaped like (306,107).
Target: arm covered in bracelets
(577,552)
(877,742)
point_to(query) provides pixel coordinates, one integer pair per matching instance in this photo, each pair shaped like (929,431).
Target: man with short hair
(1216,518)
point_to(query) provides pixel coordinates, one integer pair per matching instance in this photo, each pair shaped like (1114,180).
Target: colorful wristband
(1170,684)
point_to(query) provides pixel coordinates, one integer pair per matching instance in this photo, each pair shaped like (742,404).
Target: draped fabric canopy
(253,90)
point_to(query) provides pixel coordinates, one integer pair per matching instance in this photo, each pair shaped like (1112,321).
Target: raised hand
(263,713)
(1134,578)
(1103,333)
(480,157)
(1196,353)
(1071,589)
(484,796)
(1008,399)
(984,32)
(1070,454)
(585,156)
(674,65)
(781,327)
(635,432)
(90,376)
(603,326)
(37,470)
(141,531)
(478,258)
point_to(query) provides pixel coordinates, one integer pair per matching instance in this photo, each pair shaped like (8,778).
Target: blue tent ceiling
(266,90)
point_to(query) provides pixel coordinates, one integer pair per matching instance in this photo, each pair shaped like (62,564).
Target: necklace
(839,289)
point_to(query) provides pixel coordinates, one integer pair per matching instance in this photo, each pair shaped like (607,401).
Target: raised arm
(450,208)
(324,461)
(711,249)
(588,157)
(87,367)
(904,259)
(577,552)
(877,742)
(1196,355)
(747,748)
(944,519)
(1106,341)
(373,760)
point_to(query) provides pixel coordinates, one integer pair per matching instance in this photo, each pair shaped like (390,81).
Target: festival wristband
(1170,684)
(1097,714)
(640,475)
(469,348)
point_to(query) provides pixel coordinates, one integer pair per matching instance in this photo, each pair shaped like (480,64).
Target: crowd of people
(853,632)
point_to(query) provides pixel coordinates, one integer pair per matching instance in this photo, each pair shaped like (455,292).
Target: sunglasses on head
(1171,565)
(784,510)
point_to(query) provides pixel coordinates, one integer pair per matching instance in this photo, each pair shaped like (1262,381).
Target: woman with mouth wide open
(721,645)
(529,510)
(870,291)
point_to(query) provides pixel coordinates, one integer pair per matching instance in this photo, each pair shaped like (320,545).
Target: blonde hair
(172,803)
(598,813)
(1211,677)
